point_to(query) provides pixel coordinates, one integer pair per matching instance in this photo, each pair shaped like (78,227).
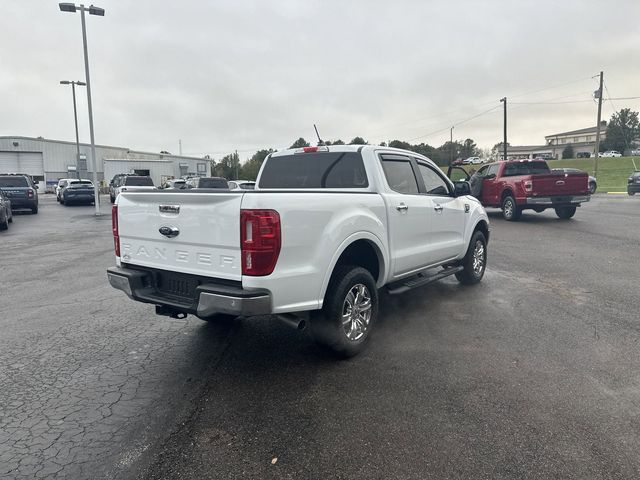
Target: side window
(483,171)
(400,175)
(511,170)
(433,183)
(492,170)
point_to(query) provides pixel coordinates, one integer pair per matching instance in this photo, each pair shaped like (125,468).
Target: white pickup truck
(323,231)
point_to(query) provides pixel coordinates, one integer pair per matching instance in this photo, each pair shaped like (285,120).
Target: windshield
(213,183)
(13,182)
(139,182)
(315,170)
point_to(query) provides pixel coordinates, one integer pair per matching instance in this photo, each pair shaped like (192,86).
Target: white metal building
(48,160)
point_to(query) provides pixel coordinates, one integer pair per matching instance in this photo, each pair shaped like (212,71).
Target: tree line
(622,134)
(231,168)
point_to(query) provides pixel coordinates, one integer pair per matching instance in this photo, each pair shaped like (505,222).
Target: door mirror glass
(462,188)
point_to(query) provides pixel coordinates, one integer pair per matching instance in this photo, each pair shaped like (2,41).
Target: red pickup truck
(517,185)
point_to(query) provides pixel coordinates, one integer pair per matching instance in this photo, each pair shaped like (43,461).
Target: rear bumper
(209,298)
(557,201)
(17,203)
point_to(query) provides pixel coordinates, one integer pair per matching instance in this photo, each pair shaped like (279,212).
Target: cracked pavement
(534,373)
(89,380)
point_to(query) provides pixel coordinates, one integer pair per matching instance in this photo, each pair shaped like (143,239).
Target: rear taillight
(528,186)
(259,241)
(30,193)
(114,229)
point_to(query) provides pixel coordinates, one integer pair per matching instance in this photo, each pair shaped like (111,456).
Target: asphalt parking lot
(534,373)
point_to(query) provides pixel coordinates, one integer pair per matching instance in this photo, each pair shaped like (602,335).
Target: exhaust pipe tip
(293,321)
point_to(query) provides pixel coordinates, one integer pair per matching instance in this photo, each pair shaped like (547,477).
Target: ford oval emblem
(169,232)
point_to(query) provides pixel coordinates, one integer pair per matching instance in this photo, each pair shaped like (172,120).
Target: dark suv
(21,191)
(633,183)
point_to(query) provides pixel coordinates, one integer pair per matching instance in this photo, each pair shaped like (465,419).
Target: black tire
(10,219)
(538,209)
(471,275)
(34,210)
(565,213)
(113,199)
(327,327)
(510,210)
(592,187)
(4,225)
(631,194)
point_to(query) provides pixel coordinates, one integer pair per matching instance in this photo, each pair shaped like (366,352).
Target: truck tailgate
(560,184)
(202,238)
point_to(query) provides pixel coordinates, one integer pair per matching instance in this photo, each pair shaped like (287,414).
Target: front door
(446,235)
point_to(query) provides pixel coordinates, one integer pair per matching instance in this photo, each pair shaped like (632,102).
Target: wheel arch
(363,249)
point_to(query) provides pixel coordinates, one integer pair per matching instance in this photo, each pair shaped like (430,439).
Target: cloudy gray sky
(224,75)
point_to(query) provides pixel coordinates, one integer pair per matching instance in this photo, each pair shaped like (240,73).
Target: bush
(567,152)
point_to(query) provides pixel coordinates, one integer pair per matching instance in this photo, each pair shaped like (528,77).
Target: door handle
(438,207)
(402,207)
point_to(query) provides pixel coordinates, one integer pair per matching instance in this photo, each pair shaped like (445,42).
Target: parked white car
(324,230)
(611,153)
(241,185)
(473,161)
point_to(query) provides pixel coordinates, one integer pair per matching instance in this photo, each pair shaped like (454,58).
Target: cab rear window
(315,170)
(138,181)
(13,182)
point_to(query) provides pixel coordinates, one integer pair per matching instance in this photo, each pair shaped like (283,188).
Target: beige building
(582,141)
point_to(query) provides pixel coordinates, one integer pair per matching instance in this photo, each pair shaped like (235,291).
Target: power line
(456,123)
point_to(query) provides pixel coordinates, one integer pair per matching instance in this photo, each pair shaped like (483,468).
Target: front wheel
(592,187)
(475,261)
(349,312)
(510,210)
(565,213)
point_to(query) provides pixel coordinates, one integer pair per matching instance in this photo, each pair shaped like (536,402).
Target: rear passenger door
(407,211)
(447,223)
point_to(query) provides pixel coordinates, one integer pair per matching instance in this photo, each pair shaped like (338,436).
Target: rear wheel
(565,213)
(475,261)
(349,312)
(34,210)
(4,225)
(592,187)
(631,193)
(510,210)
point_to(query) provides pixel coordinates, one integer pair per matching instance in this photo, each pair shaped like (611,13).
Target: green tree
(251,168)
(358,141)
(567,152)
(469,148)
(228,167)
(299,143)
(623,129)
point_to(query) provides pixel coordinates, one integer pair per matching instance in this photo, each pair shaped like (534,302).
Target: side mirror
(461,188)
(490,176)
(35,186)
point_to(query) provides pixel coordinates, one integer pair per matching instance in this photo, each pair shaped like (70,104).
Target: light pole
(75,117)
(451,145)
(72,7)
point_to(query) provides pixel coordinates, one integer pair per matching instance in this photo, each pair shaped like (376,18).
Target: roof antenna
(320,142)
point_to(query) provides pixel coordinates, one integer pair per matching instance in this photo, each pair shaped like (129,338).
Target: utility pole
(75,117)
(237,159)
(451,146)
(599,93)
(504,141)
(180,147)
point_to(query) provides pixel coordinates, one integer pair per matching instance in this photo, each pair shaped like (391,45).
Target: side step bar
(421,280)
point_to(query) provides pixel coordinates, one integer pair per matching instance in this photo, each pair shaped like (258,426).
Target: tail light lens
(114,229)
(528,186)
(260,241)
(30,193)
